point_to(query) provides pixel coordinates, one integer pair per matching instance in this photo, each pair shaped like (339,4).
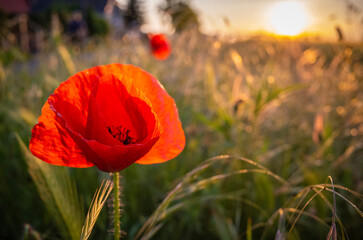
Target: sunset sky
(317,17)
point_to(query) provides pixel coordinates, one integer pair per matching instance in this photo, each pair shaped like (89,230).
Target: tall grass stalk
(333,231)
(95,208)
(186,187)
(59,193)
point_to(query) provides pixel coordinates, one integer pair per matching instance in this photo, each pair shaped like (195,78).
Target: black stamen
(121,134)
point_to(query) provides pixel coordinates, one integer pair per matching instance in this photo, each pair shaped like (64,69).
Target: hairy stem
(116,182)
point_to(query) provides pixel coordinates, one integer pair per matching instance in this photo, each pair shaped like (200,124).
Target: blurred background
(276,82)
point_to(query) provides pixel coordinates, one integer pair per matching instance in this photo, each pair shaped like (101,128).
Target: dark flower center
(122,134)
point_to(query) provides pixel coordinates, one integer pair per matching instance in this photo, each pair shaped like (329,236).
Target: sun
(288,18)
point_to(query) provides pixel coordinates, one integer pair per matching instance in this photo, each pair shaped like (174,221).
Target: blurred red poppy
(109,116)
(160,46)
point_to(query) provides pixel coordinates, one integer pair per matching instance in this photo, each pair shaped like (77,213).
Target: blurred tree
(97,26)
(3,24)
(134,14)
(182,15)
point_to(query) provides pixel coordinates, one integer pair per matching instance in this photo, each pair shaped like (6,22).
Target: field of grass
(266,121)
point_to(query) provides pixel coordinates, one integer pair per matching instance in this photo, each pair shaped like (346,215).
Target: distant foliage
(97,26)
(182,15)
(62,9)
(2,23)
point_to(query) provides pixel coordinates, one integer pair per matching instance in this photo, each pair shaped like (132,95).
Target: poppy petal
(51,143)
(109,158)
(172,139)
(124,106)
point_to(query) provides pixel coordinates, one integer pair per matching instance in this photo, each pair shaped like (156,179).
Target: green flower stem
(116,185)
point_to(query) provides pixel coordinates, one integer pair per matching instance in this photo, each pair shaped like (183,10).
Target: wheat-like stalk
(59,193)
(96,206)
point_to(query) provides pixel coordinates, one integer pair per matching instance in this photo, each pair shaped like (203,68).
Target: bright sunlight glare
(288,18)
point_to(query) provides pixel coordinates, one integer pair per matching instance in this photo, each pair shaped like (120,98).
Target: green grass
(254,165)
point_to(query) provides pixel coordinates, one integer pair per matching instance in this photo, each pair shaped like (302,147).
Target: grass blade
(59,193)
(95,208)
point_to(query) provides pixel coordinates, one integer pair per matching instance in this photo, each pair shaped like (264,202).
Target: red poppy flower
(160,46)
(109,116)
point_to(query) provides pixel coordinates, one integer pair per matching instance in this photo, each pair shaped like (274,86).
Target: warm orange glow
(288,18)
